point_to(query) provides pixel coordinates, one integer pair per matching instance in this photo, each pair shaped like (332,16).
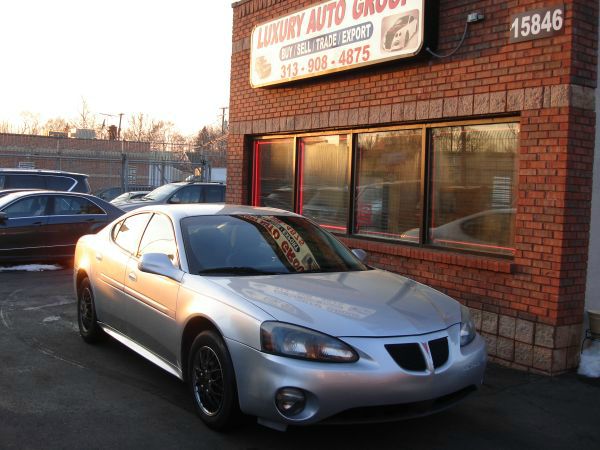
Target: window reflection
(388,193)
(274,174)
(474,184)
(325,180)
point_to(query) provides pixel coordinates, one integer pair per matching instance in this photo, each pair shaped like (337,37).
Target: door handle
(98,256)
(132,276)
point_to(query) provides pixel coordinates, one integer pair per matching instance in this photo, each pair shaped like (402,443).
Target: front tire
(89,329)
(212,383)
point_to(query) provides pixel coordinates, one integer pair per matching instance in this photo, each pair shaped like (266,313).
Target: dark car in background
(43,226)
(56,180)
(179,193)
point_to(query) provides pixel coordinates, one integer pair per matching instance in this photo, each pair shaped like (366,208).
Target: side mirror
(3,217)
(159,264)
(360,254)
(175,200)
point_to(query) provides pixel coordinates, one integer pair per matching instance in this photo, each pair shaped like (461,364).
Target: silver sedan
(264,313)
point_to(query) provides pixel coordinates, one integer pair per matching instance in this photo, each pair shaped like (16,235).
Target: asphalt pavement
(58,392)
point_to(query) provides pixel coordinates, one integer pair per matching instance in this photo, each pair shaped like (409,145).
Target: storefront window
(388,185)
(273,178)
(474,185)
(324,180)
(463,199)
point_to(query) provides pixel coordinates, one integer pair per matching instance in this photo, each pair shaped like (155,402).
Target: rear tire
(89,329)
(211,380)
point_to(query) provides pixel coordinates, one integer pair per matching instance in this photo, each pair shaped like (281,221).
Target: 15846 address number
(537,24)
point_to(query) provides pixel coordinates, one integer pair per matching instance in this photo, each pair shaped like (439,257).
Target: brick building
(471,173)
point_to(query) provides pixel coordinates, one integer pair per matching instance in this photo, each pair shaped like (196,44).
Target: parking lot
(58,392)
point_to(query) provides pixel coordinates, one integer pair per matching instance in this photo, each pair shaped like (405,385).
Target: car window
(129,232)
(82,185)
(69,205)
(214,194)
(159,238)
(27,207)
(59,183)
(2,181)
(189,194)
(26,181)
(162,192)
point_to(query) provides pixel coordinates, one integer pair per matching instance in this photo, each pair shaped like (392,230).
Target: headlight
(467,327)
(296,342)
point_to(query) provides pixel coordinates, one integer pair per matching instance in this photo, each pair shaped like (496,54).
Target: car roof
(207,183)
(26,193)
(40,172)
(178,212)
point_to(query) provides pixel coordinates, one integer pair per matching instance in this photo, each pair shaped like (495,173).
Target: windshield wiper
(238,271)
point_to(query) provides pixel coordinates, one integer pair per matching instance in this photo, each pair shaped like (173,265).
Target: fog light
(290,401)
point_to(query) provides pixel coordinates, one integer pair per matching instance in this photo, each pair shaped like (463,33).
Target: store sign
(333,36)
(537,24)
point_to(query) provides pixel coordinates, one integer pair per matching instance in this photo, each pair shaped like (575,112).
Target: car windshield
(262,245)
(160,193)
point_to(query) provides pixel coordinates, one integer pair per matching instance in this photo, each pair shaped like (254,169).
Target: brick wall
(530,308)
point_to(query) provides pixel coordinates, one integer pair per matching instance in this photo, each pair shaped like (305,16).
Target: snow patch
(31,268)
(51,319)
(589,365)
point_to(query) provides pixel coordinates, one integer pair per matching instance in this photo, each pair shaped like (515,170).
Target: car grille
(410,357)
(439,351)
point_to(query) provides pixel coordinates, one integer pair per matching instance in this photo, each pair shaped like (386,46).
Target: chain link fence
(124,164)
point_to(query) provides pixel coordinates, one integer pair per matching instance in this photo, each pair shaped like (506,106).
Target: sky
(168,59)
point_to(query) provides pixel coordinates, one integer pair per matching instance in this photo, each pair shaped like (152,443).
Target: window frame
(116,229)
(425,175)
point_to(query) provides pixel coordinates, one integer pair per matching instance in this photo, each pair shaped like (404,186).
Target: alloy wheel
(208,381)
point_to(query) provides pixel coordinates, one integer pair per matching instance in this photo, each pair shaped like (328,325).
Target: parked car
(488,228)
(263,312)
(4,192)
(399,34)
(40,226)
(110,193)
(176,193)
(56,180)
(127,196)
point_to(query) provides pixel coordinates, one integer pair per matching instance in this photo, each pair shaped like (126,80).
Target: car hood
(134,204)
(364,303)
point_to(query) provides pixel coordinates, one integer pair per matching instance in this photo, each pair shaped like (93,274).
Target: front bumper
(375,380)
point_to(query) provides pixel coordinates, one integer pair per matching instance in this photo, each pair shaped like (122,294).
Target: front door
(23,235)
(153,302)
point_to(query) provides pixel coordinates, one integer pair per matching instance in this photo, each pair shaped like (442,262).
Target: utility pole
(120,119)
(223,119)
(119,129)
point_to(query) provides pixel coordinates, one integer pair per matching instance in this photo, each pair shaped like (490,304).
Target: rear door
(70,218)
(111,263)
(213,194)
(23,236)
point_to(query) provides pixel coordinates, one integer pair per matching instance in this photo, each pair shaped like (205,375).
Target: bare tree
(56,124)
(31,123)
(86,118)
(6,127)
